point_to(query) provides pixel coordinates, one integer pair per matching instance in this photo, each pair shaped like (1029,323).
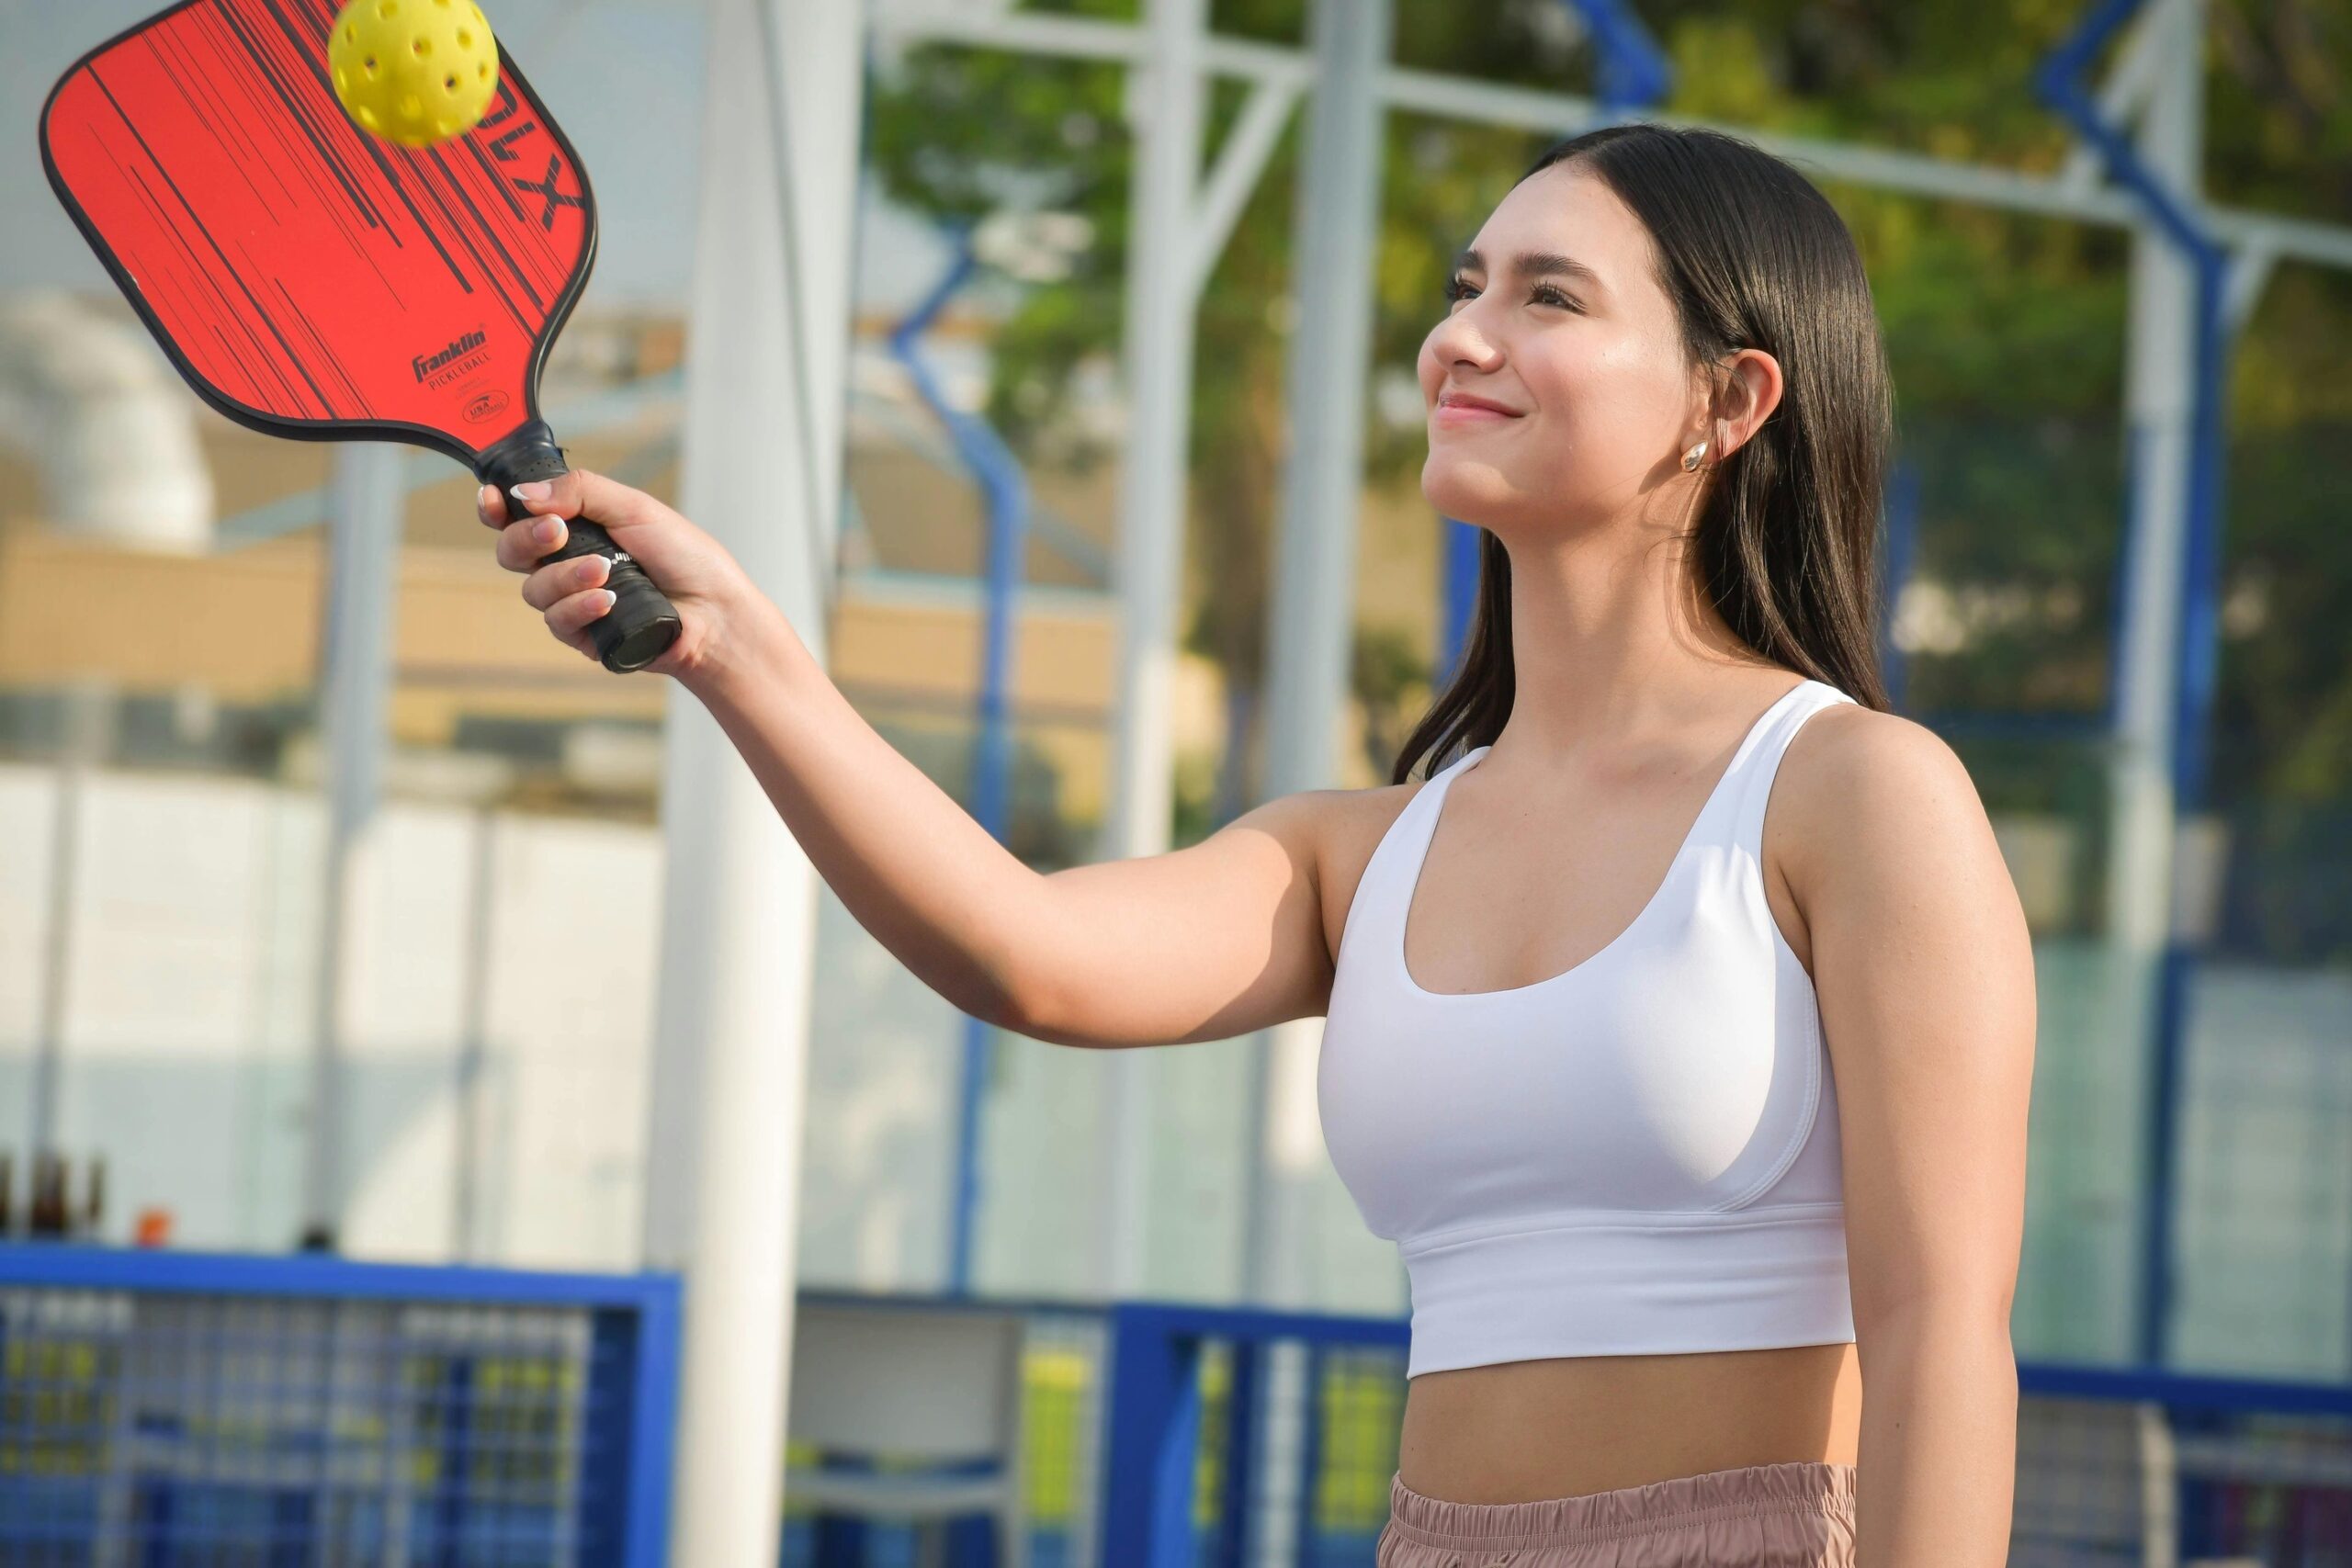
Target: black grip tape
(641,624)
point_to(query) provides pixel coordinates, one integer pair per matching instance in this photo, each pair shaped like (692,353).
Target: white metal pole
(2160,392)
(1313,614)
(2161,384)
(739,921)
(356,644)
(473,1050)
(90,713)
(1164,101)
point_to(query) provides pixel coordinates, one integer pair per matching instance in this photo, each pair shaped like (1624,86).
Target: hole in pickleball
(388,9)
(465,39)
(369,65)
(449,83)
(367,116)
(411,108)
(422,46)
(484,72)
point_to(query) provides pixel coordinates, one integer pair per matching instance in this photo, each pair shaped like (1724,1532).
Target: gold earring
(1691,458)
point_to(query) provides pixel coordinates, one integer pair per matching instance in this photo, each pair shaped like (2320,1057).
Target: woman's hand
(694,571)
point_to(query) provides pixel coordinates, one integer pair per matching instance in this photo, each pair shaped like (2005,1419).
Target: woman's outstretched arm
(1202,943)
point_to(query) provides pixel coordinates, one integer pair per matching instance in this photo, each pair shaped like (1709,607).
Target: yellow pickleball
(415,72)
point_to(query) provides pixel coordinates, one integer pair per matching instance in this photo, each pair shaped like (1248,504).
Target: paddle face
(309,278)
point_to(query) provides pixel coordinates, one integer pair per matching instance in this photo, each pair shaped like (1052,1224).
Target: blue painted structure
(625,1409)
(2059,81)
(1004,490)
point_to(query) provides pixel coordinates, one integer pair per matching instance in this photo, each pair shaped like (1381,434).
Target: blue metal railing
(2235,1468)
(1152,1430)
(167,1408)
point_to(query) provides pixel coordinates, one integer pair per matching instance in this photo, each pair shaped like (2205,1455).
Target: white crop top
(1634,1157)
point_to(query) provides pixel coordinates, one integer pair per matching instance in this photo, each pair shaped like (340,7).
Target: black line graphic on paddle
(546,188)
(503,148)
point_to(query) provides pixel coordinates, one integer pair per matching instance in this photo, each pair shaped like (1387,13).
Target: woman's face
(1558,319)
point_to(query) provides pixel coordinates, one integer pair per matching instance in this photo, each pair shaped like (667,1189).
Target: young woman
(1693,1120)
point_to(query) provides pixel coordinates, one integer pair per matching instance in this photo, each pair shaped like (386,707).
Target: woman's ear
(1751,391)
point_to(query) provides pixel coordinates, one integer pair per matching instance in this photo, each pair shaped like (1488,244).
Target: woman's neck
(1611,637)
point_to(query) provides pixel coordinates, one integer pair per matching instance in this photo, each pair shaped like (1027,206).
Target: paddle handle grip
(643,622)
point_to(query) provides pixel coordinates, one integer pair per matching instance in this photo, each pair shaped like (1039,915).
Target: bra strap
(1762,764)
(1385,889)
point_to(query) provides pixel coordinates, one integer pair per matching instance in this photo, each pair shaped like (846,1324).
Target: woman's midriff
(1522,1431)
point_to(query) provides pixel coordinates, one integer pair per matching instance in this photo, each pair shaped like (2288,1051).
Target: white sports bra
(1634,1157)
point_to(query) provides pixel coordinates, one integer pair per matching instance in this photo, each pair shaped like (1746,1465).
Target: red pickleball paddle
(313,280)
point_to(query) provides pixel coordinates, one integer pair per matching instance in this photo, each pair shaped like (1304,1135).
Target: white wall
(189,994)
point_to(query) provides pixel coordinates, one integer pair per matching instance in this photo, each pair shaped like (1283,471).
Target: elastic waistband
(1808,1486)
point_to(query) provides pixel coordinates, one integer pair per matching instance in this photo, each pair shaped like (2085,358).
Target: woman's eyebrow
(1536,264)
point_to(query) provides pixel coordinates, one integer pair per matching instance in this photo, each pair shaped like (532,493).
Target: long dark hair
(1752,256)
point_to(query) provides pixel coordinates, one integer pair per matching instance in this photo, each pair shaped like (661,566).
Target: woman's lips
(1467,413)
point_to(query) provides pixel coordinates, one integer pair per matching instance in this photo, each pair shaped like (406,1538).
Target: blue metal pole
(1150,1438)
(1902,546)
(1460,576)
(2195,651)
(1633,72)
(451,1494)
(1231,1547)
(1306,1537)
(1005,492)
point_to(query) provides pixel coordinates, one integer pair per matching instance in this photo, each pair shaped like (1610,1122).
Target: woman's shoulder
(1854,777)
(1354,820)
(1344,827)
(1846,748)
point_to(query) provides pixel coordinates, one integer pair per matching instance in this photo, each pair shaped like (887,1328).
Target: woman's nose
(1459,340)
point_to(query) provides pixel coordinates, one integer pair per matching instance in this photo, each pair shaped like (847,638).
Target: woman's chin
(1466,491)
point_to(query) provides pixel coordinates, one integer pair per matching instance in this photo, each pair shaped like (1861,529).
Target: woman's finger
(490,507)
(569,618)
(527,541)
(578,491)
(551,585)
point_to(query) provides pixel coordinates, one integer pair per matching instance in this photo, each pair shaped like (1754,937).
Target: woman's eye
(1458,289)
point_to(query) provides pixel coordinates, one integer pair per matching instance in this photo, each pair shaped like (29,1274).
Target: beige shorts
(1799,1515)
